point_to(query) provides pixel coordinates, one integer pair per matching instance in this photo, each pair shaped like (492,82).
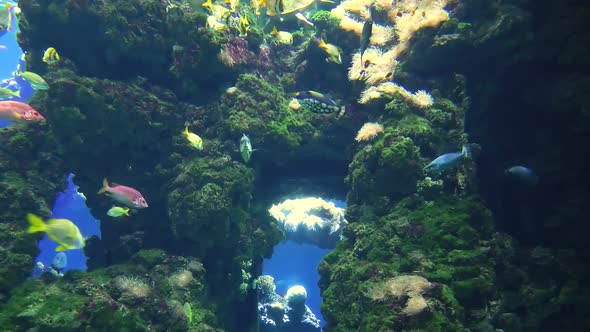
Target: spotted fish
(316,102)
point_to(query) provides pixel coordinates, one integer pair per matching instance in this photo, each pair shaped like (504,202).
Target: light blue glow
(69,205)
(297,264)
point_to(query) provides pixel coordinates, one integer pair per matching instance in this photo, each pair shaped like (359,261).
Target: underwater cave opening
(312,227)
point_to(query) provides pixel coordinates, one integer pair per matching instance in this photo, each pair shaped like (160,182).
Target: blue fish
(149,280)
(448,160)
(523,174)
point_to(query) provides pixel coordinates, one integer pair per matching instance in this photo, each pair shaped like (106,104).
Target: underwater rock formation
(421,250)
(146,293)
(285,314)
(26,184)
(310,220)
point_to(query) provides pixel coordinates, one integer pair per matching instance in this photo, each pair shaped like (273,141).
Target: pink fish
(124,195)
(17,111)
(2,47)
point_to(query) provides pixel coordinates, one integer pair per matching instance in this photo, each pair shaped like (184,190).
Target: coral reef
(310,220)
(120,297)
(419,253)
(288,313)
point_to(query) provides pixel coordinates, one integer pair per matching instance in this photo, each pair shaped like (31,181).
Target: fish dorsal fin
(274,31)
(114,184)
(60,248)
(315,94)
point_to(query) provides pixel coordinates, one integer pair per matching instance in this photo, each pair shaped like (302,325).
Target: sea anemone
(369,131)
(415,305)
(407,17)
(181,279)
(422,99)
(369,94)
(132,286)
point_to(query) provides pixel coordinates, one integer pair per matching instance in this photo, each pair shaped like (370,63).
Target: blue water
(9,61)
(69,205)
(297,264)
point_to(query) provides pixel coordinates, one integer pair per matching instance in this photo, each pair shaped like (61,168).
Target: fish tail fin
(466,152)
(322,42)
(341,112)
(185,132)
(105,186)
(127,212)
(36,224)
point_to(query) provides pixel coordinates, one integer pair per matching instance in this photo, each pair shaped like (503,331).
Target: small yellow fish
(257,5)
(37,82)
(233,4)
(50,56)
(244,26)
(117,211)
(194,139)
(213,24)
(218,11)
(283,37)
(332,51)
(62,231)
(7,93)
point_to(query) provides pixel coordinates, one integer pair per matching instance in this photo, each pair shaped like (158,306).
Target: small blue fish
(523,174)
(448,160)
(149,280)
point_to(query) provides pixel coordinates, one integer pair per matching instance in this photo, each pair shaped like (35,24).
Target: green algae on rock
(115,298)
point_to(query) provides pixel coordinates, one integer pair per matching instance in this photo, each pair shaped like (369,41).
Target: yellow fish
(257,5)
(218,11)
(62,231)
(283,37)
(332,51)
(244,26)
(117,211)
(213,24)
(50,56)
(233,4)
(193,139)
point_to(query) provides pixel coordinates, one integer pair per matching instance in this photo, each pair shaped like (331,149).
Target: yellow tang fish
(332,51)
(193,139)
(257,5)
(213,24)
(218,11)
(50,56)
(244,26)
(62,231)
(233,4)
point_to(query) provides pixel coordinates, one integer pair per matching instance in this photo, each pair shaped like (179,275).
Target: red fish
(124,195)
(17,111)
